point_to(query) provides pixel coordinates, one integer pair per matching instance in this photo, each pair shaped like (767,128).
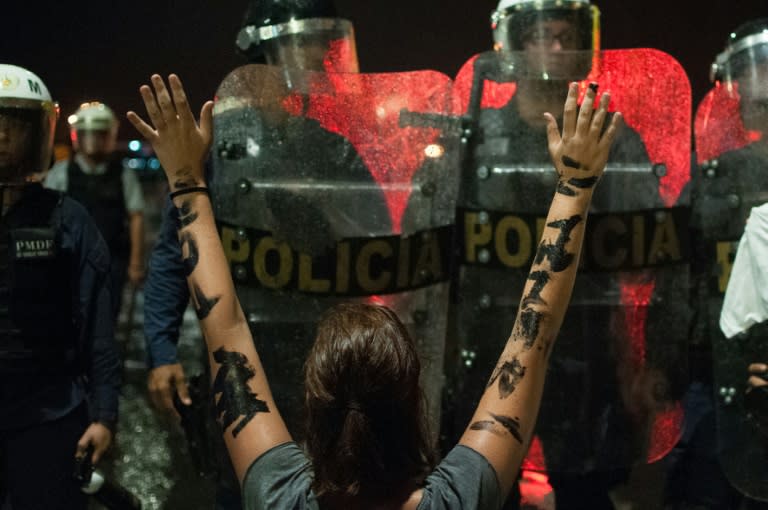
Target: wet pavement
(150,456)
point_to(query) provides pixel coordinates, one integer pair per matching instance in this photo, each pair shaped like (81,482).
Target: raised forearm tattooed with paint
(235,402)
(509,373)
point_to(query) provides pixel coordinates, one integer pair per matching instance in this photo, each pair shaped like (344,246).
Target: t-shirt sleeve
(464,480)
(281,478)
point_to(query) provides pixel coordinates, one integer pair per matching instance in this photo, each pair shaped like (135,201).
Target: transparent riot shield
(617,372)
(328,189)
(730,179)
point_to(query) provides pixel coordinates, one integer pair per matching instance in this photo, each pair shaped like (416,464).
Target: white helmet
(27,107)
(93,116)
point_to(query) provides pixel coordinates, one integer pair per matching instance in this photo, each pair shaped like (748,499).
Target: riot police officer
(298,35)
(109,191)
(540,46)
(720,455)
(57,348)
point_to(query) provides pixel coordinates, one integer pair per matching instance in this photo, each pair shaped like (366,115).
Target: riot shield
(326,191)
(730,180)
(612,396)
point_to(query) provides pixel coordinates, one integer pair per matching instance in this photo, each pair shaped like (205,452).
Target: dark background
(104,50)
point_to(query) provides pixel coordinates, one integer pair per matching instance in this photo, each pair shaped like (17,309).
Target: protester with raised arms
(362,394)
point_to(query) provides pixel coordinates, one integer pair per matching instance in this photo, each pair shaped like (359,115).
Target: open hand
(180,144)
(580,154)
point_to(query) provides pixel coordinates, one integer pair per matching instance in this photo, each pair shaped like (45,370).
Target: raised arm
(245,408)
(503,423)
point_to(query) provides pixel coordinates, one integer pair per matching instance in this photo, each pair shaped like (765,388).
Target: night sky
(105,50)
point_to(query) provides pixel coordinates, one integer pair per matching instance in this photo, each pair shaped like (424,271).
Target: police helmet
(93,116)
(277,31)
(28,117)
(743,64)
(515,23)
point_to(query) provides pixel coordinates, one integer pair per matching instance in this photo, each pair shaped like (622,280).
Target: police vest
(38,326)
(102,195)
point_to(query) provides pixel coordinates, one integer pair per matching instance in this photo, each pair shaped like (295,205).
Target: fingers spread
(586,111)
(153,110)
(553,133)
(599,118)
(180,100)
(167,109)
(570,111)
(142,127)
(616,122)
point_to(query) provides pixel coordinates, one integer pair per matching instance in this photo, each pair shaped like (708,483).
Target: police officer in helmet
(300,34)
(109,191)
(714,462)
(59,370)
(556,38)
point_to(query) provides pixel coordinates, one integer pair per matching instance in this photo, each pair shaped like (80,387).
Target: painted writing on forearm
(512,425)
(184,178)
(488,426)
(528,324)
(540,279)
(565,190)
(509,374)
(203,304)
(559,259)
(186,215)
(571,163)
(190,261)
(586,183)
(235,398)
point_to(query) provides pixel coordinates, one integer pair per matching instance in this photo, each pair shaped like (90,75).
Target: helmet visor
(314,44)
(547,27)
(26,136)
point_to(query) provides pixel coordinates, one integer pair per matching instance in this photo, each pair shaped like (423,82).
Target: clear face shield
(560,41)
(313,44)
(26,140)
(743,70)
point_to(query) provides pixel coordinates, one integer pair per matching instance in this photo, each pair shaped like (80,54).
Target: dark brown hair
(367,431)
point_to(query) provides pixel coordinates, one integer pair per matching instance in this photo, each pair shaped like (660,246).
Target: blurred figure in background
(107,189)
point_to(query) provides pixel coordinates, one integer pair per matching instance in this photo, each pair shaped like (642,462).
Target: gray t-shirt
(282,479)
